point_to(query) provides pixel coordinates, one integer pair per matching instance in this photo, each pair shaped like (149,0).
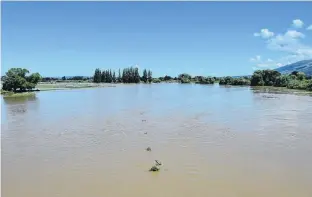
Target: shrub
(240,81)
(156,80)
(204,80)
(226,81)
(309,85)
(185,80)
(282,81)
(297,84)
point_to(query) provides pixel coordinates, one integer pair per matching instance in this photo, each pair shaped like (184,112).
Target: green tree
(204,80)
(226,80)
(34,78)
(131,75)
(114,80)
(110,79)
(264,77)
(103,77)
(144,77)
(167,78)
(149,76)
(234,81)
(123,75)
(17,79)
(257,78)
(137,76)
(119,76)
(282,81)
(185,76)
(106,76)
(301,76)
(309,85)
(97,76)
(185,80)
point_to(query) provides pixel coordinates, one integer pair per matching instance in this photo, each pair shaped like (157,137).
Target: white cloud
(294,34)
(255,59)
(264,33)
(297,23)
(289,44)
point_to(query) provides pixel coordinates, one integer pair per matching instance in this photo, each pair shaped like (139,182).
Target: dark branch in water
(158,163)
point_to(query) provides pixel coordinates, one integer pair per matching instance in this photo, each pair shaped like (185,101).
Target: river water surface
(212,141)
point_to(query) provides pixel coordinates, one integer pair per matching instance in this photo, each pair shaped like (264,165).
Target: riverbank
(7,94)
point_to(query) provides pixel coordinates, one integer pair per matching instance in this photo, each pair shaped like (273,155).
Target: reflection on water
(212,141)
(15,106)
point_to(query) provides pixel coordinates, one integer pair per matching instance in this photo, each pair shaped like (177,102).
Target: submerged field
(212,141)
(71,85)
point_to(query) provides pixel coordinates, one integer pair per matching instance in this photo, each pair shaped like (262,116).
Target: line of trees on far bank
(66,79)
(294,80)
(128,75)
(234,81)
(19,79)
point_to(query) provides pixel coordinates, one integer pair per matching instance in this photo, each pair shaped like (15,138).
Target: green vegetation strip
(19,80)
(14,95)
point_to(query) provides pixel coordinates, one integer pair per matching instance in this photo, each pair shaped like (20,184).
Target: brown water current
(212,141)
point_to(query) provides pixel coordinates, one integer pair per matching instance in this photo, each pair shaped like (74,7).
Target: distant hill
(301,66)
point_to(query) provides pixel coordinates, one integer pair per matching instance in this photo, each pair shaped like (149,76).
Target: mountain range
(304,66)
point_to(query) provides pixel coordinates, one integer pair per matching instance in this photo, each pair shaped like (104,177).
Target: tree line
(294,80)
(128,75)
(64,78)
(234,81)
(19,79)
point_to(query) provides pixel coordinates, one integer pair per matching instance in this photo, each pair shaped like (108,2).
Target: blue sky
(200,38)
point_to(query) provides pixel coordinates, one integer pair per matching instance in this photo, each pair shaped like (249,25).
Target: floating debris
(143,120)
(145,133)
(158,163)
(154,169)
(148,149)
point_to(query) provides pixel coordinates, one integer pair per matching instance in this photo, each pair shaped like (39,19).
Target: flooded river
(212,141)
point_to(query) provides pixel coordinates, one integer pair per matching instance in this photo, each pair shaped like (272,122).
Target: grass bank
(7,94)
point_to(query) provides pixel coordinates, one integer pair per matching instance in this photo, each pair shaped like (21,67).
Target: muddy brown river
(212,141)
